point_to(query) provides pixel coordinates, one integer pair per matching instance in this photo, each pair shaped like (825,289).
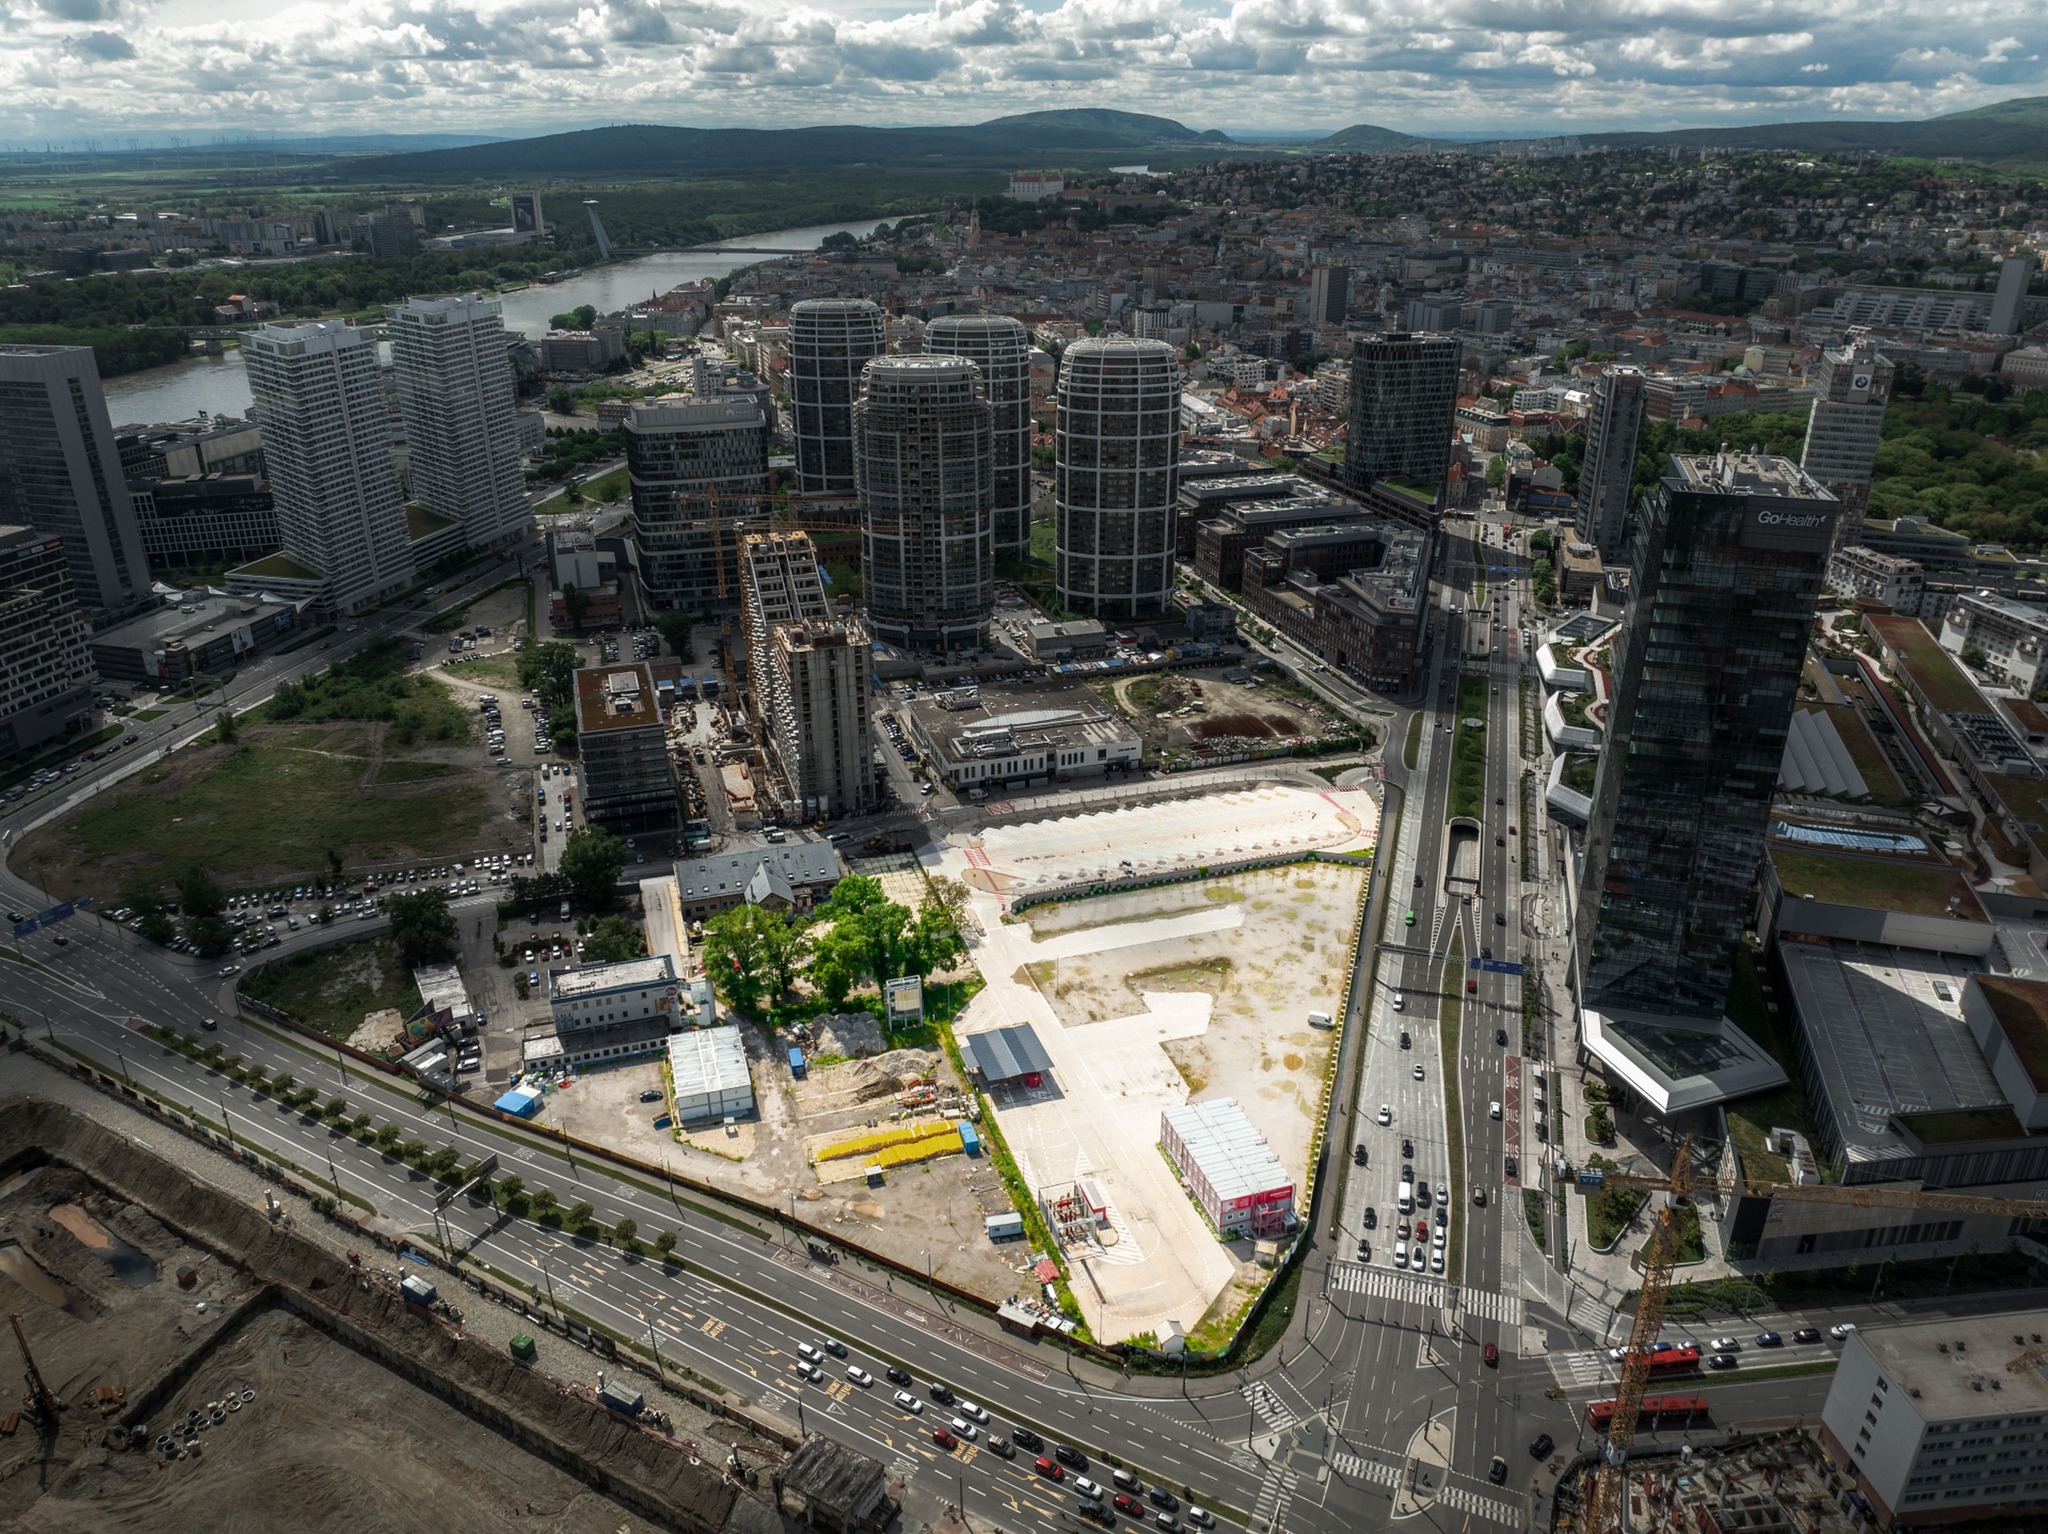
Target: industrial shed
(1229,1168)
(1005,1056)
(709,1068)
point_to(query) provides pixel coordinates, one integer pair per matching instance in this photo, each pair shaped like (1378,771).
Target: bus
(1659,1413)
(1674,1361)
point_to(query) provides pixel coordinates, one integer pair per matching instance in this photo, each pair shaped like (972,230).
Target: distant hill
(1054,138)
(2007,132)
(1364,138)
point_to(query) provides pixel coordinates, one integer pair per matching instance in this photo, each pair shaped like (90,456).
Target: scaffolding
(1070,1215)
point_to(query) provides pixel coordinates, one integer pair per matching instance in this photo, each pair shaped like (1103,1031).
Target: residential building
(2024,369)
(609,1011)
(1228,1169)
(2010,638)
(60,473)
(1404,402)
(810,671)
(1036,185)
(1607,469)
(1726,568)
(699,474)
(456,398)
(830,341)
(2008,303)
(1000,348)
(206,633)
(624,775)
(1019,736)
(342,530)
(1851,385)
(782,876)
(1863,574)
(46,675)
(208,519)
(1931,1426)
(924,460)
(1329,294)
(1116,478)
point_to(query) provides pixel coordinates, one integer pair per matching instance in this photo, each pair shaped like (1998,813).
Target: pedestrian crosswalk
(1412,1289)
(1480,1505)
(1350,1467)
(1590,1315)
(1275,1496)
(1268,1407)
(1581,1369)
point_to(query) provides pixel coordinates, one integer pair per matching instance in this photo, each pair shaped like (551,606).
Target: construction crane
(40,1400)
(2033,1358)
(1604,1507)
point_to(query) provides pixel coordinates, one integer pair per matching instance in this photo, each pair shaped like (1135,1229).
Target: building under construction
(808,671)
(1776,1483)
(699,471)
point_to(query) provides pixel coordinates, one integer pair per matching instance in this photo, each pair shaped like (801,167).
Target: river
(220,385)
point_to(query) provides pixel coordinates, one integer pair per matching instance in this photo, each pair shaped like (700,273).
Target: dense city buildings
(1607,470)
(699,476)
(1852,384)
(1000,348)
(830,342)
(455,397)
(1727,565)
(924,458)
(341,517)
(808,672)
(46,670)
(60,473)
(1115,480)
(1404,400)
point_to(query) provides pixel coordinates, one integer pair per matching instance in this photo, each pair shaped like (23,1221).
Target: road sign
(1592,1179)
(63,911)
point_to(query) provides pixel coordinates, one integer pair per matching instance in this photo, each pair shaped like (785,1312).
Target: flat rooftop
(194,624)
(1855,867)
(1940,680)
(1000,723)
(1747,474)
(1678,1065)
(1885,1040)
(1969,1379)
(615,698)
(627,974)
(2021,1007)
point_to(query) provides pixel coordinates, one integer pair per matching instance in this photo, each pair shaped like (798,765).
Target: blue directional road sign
(62,911)
(1494,966)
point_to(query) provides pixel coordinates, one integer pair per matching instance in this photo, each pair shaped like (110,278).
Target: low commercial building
(1864,574)
(782,876)
(46,672)
(627,782)
(1052,643)
(1201,501)
(1228,1168)
(210,633)
(2011,636)
(708,1071)
(1580,574)
(976,740)
(1934,1428)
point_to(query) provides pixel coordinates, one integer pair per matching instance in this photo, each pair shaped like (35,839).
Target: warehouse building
(1228,1169)
(708,1068)
(1935,1428)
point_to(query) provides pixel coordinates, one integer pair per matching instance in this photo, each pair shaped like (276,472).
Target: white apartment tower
(455,396)
(1612,431)
(1117,475)
(1001,348)
(926,468)
(326,440)
(1850,388)
(830,341)
(60,473)
(809,672)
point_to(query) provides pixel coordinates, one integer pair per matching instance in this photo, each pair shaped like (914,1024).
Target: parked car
(1540,1447)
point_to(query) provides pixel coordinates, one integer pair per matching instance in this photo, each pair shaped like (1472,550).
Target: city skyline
(98,67)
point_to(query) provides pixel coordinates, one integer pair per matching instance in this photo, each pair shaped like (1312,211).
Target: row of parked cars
(968,1422)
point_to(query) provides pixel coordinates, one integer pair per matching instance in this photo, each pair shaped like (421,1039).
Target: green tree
(548,671)
(511,1187)
(591,861)
(625,1231)
(336,1107)
(157,927)
(675,632)
(577,1214)
(933,942)
(750,953)
(612,938)
(1496,471)
(544,1199)
(413,1149)
(422,926)
(224,728)
(211,936)
(576,603)
(869,918)
(387,1136)
(665,1243)
(443,1162)
(562,399)
(199,893)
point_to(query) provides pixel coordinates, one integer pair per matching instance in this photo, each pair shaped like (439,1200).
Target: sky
(78,70)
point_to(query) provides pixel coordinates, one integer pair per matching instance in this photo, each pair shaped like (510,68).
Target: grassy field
(332,988)
(1869,757)
(1751,1119)
(495,670)
(270,806)
(1468,758)
(1448,1019)
(608,486)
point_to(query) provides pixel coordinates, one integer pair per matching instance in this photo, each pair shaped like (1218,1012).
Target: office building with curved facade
(928,565)
(830,341)
(1117,476)
(1001,348)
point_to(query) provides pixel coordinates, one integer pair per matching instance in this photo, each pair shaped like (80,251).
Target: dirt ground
(1265,949)
(1172,711)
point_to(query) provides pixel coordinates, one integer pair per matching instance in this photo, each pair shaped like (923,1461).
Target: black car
(1364,1250)
(1372,1218)
(1497,1472)
(1807,1334)
(1500,1035)
(1067,1455)
(1407,1167)
(896,1376)
(940,1394)
(1407,1149)
(1540,1449)
(1026,1439)
(1095,1512)
(1509,1165)
(1161,1497)
(1358,1155)
(209,1024)
(1404,1038)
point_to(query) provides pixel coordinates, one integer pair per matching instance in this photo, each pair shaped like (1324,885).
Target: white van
(1321,1020)
(1406,1202)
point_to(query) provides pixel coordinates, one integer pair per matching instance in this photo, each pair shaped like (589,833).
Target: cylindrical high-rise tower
(1119,470)
(928,565)
(830,341)
(1001,348)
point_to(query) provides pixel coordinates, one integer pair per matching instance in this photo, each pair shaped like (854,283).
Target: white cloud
(1423,65)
